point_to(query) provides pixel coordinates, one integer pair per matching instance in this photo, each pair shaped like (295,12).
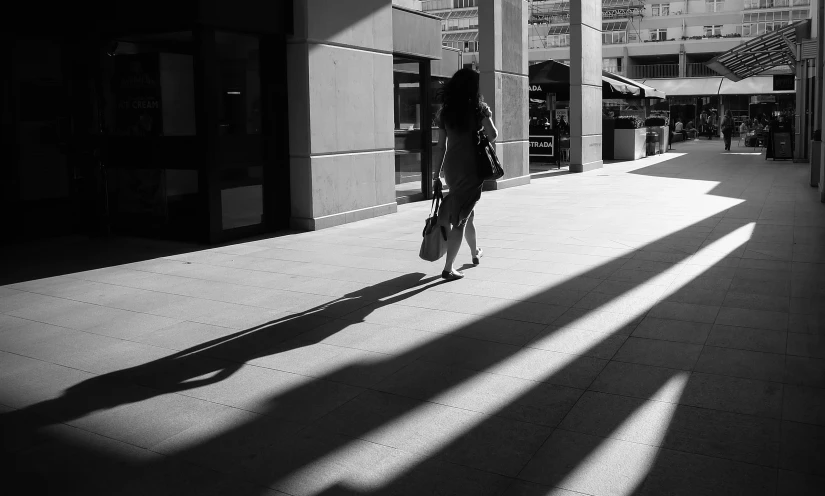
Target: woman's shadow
(209,362)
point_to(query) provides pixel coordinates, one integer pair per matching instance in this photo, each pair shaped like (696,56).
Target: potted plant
(629,138)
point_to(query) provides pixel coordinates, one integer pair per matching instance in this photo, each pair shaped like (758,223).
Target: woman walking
(462,114)
(727,128)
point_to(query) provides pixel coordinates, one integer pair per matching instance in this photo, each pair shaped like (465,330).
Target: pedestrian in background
(463,113)
(727,128)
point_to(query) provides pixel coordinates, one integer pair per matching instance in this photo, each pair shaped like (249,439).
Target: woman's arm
(440,150)
(490,129)
(487,122)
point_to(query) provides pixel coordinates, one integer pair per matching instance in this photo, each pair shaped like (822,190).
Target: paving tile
(464,352)
(75,461)
(807,324)
(524,488)
(804,404)
(802,484)
(806,345)
(676,473)
(227,439)
(741,363)
(808,306)
(684,311)
(639,381)
(760,319)
(803,448)
(763,286)
(733,394)
(747,338)
(598,321)
(804,371)
(551,367)
(370,337)
(757,302)
(588,464)
(510,397)
(673,330)
(472,439)
(347,365)
(697,296)
(312,461)
(578,342)
(659,353)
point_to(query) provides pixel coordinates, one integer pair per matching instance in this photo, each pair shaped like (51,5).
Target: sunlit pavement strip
(591,468)
(646,328)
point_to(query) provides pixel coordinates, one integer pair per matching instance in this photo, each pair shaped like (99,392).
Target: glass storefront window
(239,127)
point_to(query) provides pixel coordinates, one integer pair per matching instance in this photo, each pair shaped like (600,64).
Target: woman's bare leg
(453,244)
(470,234)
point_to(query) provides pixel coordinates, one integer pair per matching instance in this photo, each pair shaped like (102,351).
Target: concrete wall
(341,126)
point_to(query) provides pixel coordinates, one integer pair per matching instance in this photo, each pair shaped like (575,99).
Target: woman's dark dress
(461,174)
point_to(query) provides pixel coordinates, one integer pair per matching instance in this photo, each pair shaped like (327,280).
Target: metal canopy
(761,53)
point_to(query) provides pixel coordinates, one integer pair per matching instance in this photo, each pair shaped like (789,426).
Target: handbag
(489,168)
(434,244)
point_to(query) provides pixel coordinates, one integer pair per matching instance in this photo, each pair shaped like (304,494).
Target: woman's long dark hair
(461,99)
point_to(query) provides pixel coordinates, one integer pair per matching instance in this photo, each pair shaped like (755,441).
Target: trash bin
(652,143)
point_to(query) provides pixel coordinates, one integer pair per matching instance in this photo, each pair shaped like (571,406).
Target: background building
(667,45)
(459,25)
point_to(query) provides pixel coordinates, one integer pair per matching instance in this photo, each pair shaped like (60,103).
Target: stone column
(502,30)
(585,85)
(341,142)
(682,62)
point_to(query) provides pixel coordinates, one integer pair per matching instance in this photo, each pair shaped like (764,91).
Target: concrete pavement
(653,327)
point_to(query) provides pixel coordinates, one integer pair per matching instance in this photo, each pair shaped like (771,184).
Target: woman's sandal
(451,276)
(479,254)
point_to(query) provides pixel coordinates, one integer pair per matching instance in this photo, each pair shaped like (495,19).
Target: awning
(755,85)
(646,91)
(761,53)
(688,86)
(554,77)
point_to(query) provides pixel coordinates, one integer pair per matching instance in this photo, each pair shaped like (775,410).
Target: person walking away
(727,128)
(714,125)
(462,114)
(703,123)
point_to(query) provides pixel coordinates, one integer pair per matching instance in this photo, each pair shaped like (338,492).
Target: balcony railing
(654,71)
(698,69)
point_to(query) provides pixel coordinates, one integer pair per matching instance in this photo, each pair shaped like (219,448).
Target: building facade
(216,120)
(667,45)
(459,25)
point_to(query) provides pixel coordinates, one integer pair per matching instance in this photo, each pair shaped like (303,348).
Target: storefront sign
(542,146)
(137,90)
(783,82)
(763,99)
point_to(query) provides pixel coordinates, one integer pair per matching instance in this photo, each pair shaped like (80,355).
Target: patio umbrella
(554,77)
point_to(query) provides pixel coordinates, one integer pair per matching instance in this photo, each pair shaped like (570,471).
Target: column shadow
(298,457)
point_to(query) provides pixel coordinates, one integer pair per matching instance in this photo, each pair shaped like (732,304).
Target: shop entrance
(186,127)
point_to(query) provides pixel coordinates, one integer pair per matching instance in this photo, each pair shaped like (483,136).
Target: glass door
(240,158)
(413,129)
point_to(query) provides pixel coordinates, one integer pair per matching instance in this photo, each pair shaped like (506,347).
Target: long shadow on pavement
(295,443)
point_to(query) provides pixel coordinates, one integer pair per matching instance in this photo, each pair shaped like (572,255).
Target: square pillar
(340,85)
(585,85)
(505,83)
